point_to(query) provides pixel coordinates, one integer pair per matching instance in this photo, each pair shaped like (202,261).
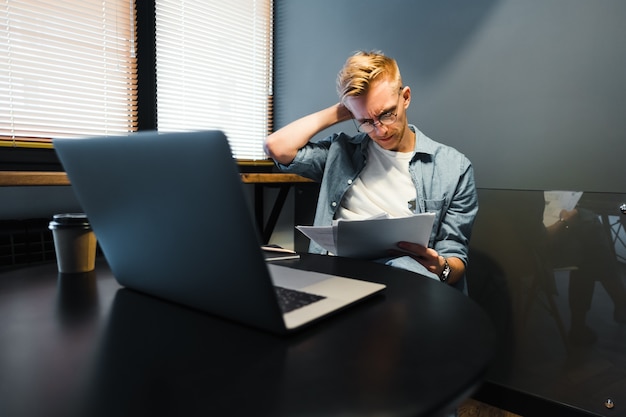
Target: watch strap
(443,277)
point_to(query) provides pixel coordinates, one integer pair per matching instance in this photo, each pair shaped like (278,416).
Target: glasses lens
(366,127)
(387,118)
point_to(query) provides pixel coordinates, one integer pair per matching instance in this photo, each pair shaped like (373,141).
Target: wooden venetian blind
(67,68)
(214,69)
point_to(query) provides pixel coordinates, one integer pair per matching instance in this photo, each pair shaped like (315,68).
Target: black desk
(82,345)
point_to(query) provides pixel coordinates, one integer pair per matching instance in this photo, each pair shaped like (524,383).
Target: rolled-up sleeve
(456,226)
(310,161)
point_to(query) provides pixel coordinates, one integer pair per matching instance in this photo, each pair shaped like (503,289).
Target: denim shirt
(443,179)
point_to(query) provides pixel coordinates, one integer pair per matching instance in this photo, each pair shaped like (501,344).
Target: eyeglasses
(368,126)
(386,119)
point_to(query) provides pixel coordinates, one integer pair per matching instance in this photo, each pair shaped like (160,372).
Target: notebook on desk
(173,221)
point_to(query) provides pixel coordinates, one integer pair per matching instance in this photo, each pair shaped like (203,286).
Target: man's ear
(406,94)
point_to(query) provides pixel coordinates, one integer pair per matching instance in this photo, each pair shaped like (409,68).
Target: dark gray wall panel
(533,91)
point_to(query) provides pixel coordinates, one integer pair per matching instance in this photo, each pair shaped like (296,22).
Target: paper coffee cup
(74,242)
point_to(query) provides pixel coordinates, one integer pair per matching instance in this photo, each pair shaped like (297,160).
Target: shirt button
(334,204)
(349,182)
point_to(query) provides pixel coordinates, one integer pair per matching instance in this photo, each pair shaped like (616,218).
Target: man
(390,166)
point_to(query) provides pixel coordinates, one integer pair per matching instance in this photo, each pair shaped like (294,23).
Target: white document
(557,201)
(371,238)
(322,235)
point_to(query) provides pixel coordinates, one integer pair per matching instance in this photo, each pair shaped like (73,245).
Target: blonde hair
(362,69)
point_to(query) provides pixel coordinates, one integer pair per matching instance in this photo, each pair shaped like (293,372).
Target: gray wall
(532,91)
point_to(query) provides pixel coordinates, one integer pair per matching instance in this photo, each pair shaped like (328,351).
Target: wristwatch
(443,277)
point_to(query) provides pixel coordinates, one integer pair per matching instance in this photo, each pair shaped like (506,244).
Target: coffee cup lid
(69,220)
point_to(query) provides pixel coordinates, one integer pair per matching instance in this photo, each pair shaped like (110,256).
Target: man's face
(383,99)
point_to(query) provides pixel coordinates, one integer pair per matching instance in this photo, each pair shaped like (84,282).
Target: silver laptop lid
(173,221)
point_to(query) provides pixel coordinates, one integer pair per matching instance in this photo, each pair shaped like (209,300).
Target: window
(67,68)
(213,69)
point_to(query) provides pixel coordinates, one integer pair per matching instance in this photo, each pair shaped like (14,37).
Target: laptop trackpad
(283,276)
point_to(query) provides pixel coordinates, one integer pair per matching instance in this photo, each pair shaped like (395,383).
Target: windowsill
(44,178)
(32,178)
(44,159)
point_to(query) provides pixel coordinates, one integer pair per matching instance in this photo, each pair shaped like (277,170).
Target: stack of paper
(371,238)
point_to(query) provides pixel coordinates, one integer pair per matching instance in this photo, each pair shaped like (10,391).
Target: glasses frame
(384,119)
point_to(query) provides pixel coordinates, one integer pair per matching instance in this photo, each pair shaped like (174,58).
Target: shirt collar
(422,143)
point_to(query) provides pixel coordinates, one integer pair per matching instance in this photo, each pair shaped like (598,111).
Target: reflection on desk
(124,353)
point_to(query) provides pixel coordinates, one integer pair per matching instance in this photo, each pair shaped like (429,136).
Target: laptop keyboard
(290,300)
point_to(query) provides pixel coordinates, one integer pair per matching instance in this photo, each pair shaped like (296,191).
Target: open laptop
(172,219)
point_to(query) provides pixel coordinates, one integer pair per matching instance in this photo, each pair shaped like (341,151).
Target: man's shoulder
(342,137)
(343,143)
(439,154)
(424,144)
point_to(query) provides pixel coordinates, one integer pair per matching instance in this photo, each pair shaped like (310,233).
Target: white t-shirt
(384,186)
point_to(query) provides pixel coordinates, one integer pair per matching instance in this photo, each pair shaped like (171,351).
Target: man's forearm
(457,269)
(283,145)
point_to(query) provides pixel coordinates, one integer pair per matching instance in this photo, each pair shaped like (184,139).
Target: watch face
(444,274)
